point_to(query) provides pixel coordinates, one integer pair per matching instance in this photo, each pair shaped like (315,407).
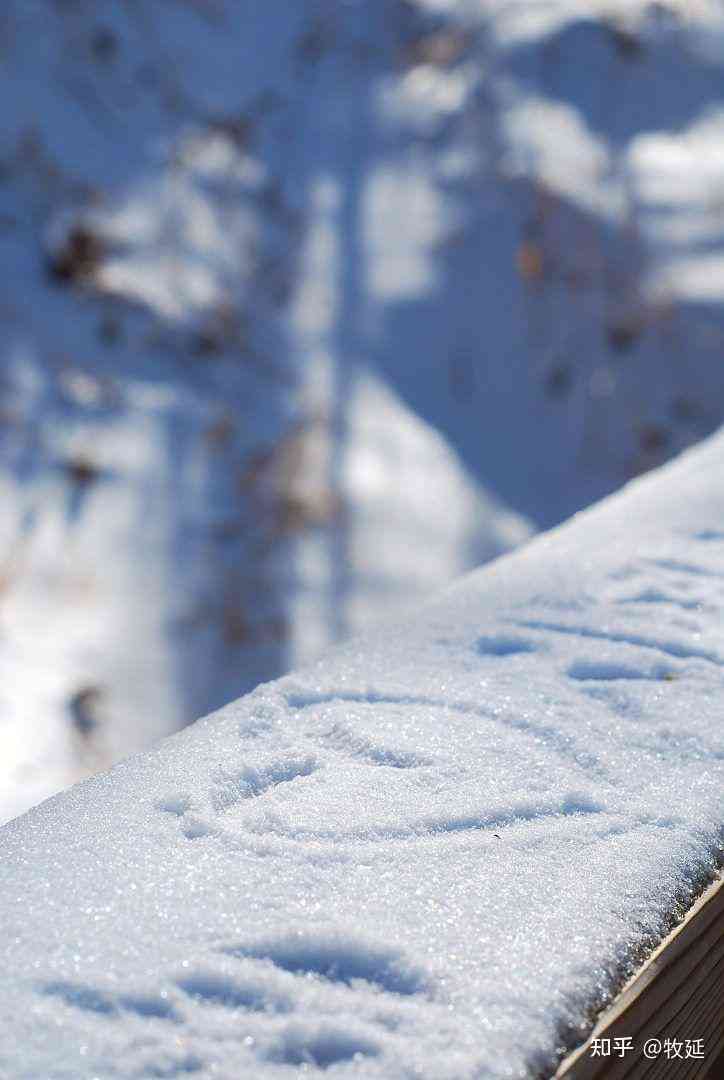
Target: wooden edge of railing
(668,1020)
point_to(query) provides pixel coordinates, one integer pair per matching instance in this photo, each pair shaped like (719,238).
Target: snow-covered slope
(107,649)
(192,485)
(431,854)
(239,242)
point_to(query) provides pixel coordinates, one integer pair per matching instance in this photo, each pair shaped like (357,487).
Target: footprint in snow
(597,671)
(337,958)
(321,1046)
(212,988)
(106,1003)
(504,646)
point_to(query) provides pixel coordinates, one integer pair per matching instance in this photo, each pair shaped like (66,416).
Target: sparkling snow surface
(429,855)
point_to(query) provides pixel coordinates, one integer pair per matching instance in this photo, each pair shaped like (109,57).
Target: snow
(327,249)
(426,494)
(433,853)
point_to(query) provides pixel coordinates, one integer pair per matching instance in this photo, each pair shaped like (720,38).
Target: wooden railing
(668,1021)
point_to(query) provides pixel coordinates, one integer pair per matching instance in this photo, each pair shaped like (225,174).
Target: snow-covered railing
(669,1019)
(437,853)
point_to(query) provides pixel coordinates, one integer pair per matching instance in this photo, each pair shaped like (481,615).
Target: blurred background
(308,307)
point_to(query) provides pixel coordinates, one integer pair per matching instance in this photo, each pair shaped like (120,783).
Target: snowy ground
(431,854)
(284,296)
